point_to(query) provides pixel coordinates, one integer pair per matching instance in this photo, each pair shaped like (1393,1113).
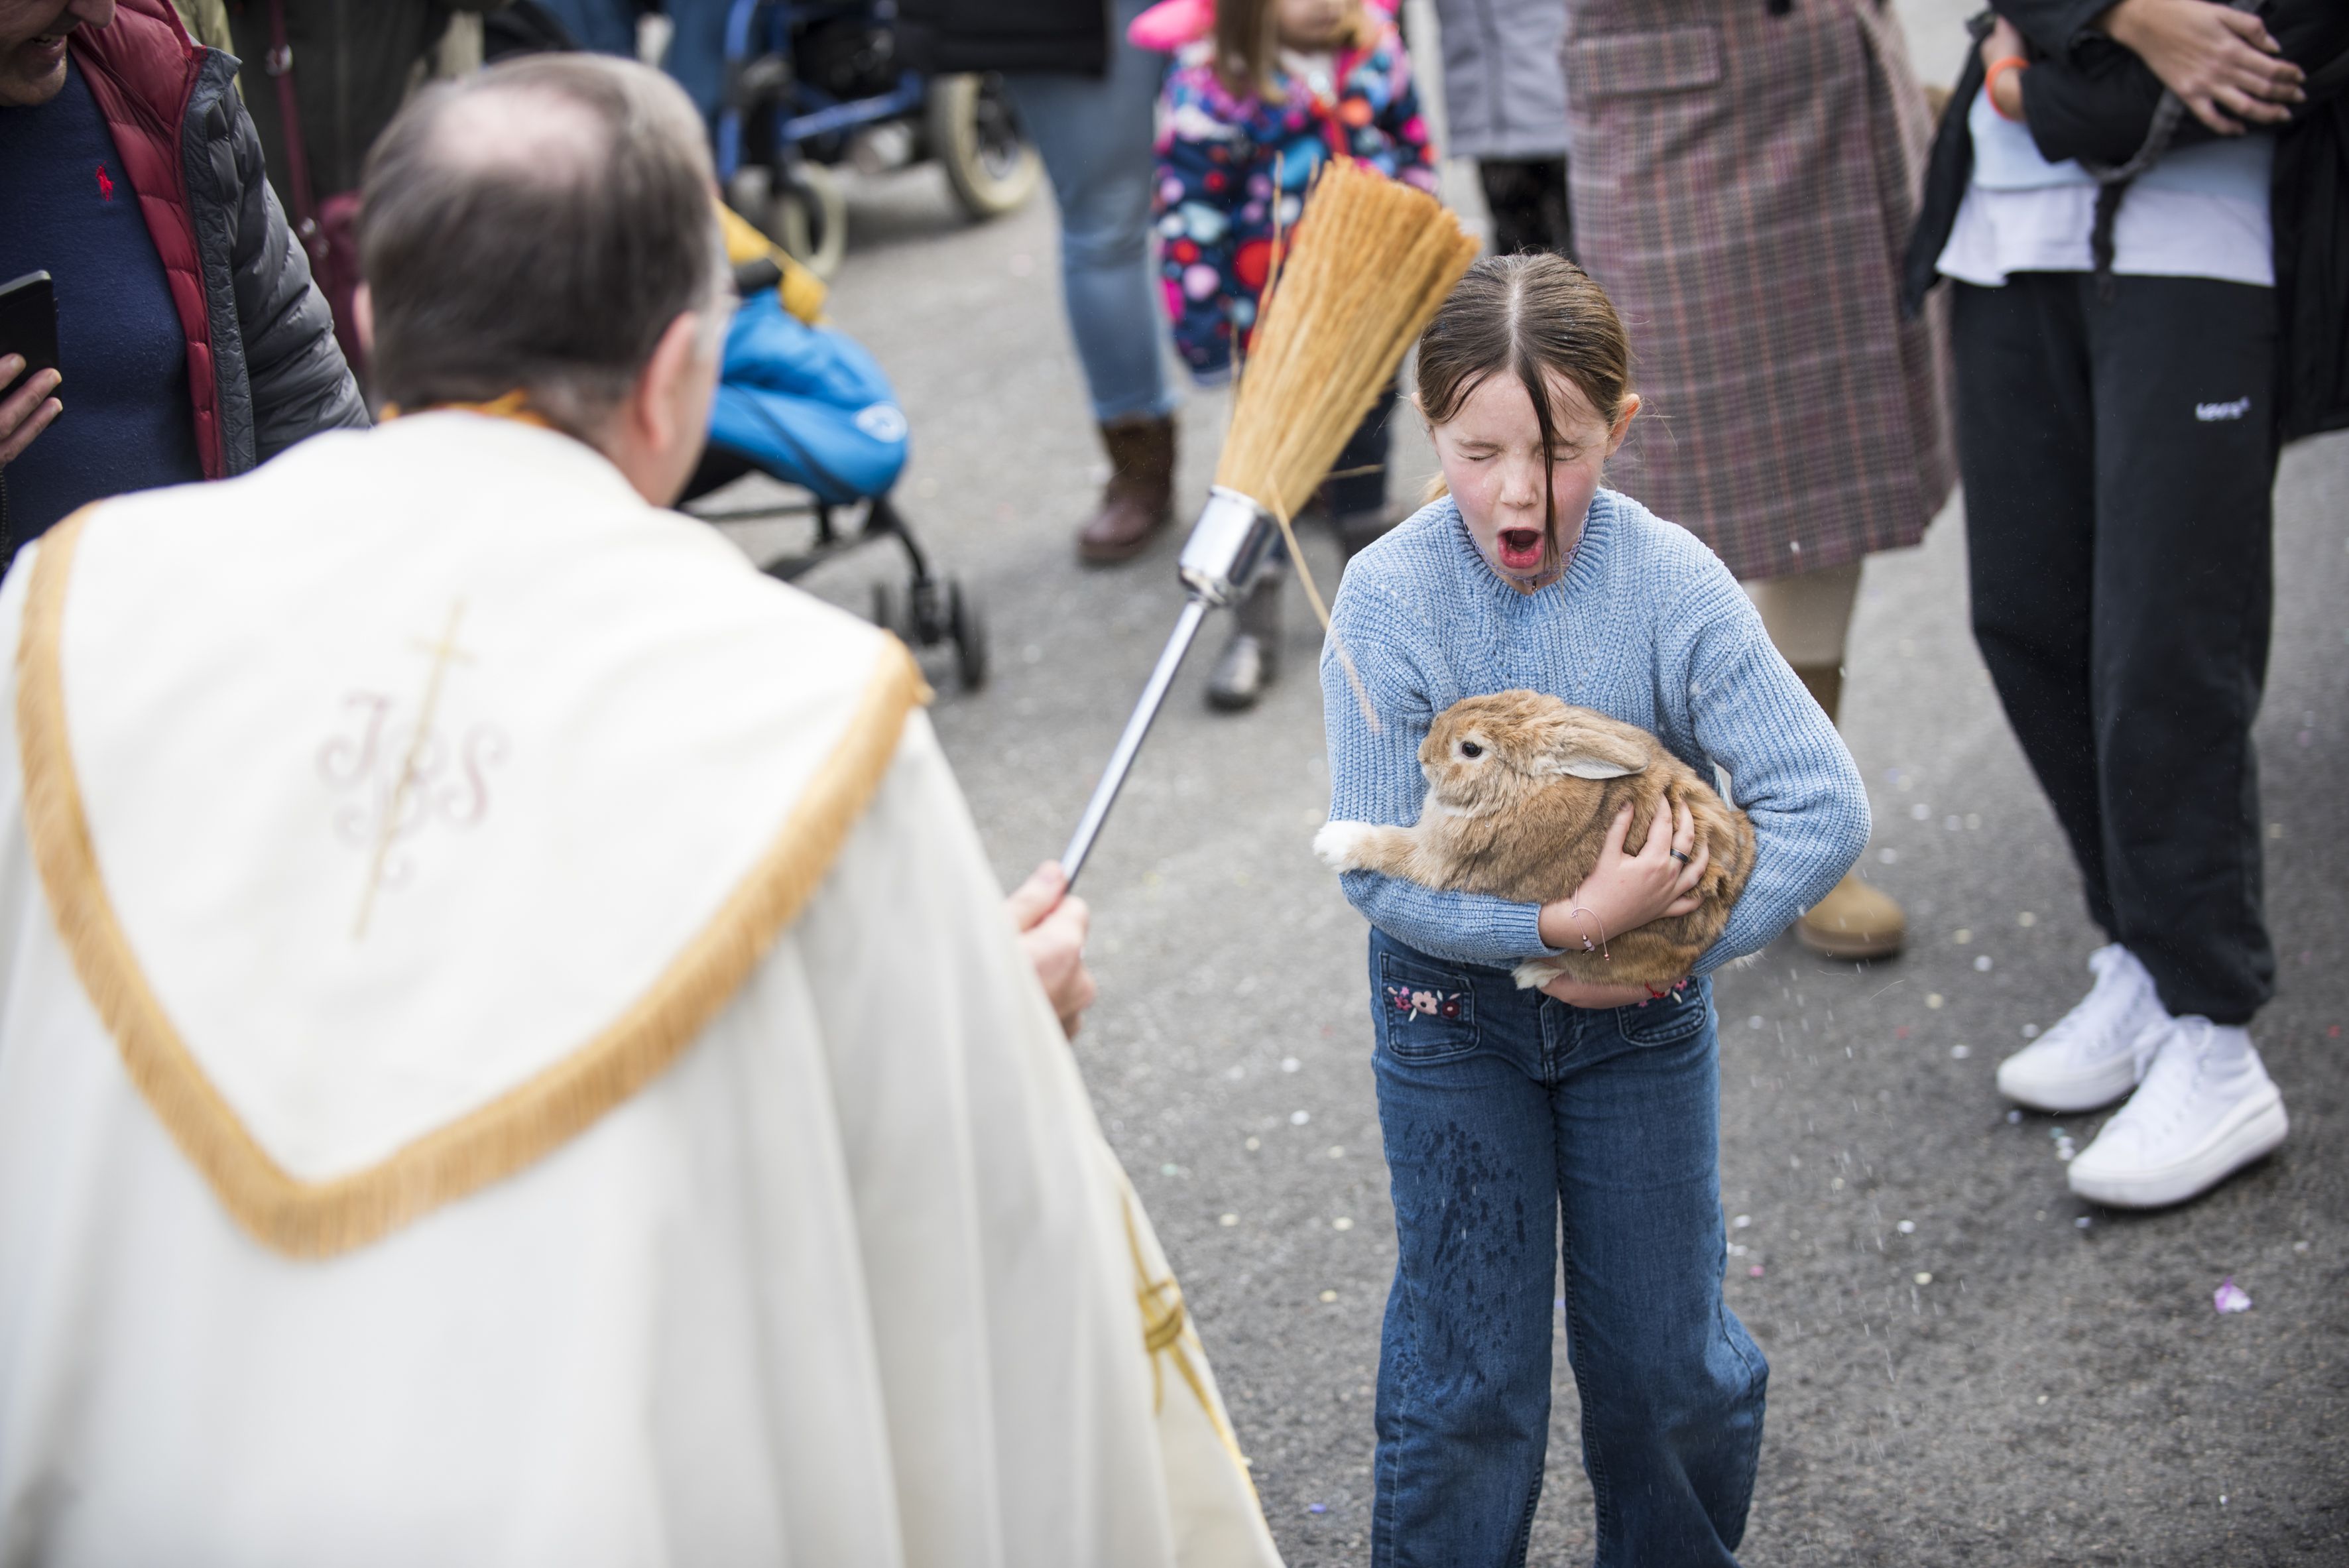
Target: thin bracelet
(1602,949)
(1990,83)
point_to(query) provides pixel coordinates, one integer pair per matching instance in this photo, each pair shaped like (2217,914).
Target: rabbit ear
(1584,766)
(1584,752)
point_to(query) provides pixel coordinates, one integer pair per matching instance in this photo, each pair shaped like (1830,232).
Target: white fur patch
(1535,973)
(1337,842)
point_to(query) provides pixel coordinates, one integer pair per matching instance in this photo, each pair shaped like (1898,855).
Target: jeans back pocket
(1424,1013)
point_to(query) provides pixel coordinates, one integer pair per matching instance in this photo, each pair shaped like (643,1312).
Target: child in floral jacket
(1221,150)
(1248,114)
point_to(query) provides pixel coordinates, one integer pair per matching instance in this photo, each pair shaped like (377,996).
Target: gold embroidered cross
(443,654)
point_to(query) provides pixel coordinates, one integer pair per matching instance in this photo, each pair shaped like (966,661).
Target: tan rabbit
(1521,791)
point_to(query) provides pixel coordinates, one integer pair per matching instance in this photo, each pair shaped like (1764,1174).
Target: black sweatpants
(2118,456)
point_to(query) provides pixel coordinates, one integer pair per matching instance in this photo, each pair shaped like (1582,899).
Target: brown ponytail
(1532,315)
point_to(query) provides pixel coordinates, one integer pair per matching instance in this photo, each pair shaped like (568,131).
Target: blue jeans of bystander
(1095,136)
(1505,1112)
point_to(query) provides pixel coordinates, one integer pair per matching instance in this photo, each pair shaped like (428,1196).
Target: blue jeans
(1095,136)
(696,60)
(600,26)
(1503,1111)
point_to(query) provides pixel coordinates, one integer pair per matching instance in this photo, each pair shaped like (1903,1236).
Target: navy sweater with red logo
(66,209)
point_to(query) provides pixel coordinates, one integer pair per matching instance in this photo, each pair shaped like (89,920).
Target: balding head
(537,227)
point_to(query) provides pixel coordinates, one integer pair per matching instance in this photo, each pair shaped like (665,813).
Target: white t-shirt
(2199,213)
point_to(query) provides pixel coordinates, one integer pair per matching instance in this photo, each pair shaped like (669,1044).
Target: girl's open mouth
(1521,549)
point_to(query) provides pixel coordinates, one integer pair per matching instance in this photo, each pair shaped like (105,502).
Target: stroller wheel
(811,217)
(884,607)
(975,134)
(968,626)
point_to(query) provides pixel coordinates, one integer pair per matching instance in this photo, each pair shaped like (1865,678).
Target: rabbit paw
(1339,844)
(1535,972)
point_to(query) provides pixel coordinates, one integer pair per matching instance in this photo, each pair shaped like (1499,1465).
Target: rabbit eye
(1470,748)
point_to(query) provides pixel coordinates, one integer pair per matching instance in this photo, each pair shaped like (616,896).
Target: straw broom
(1372,261)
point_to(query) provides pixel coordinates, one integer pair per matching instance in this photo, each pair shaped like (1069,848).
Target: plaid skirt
(1743,185)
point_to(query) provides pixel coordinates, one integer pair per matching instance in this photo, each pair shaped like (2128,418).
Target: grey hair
(537,228)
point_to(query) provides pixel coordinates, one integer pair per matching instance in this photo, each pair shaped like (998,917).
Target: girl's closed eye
(1523,381)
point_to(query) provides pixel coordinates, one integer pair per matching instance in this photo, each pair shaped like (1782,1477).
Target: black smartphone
(29,323)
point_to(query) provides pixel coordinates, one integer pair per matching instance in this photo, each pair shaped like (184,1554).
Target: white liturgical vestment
(512,1053)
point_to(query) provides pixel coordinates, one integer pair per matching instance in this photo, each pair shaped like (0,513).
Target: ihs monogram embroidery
(1434,1004)
(407,774)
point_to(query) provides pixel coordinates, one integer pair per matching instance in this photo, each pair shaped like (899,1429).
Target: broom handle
(1121,761)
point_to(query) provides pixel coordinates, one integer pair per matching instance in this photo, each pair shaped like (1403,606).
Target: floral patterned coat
(1219,158)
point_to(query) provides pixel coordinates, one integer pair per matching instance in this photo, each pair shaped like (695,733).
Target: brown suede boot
(1138,498)
(1855,921)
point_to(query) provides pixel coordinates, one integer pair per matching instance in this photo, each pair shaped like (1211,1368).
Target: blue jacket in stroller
(807,405)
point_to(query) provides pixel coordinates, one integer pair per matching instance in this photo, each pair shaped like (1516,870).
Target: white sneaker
(2206,1110)
(2099,1051)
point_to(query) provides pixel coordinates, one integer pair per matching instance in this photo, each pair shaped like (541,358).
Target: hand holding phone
(28,362)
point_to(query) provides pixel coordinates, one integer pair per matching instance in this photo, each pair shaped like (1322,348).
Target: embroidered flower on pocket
(1434,1004)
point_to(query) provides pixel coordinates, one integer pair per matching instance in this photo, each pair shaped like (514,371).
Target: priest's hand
(1051,923)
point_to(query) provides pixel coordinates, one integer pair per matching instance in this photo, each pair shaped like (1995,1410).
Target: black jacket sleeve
(2057,30)
(300,384)
(1062,38)
(2098,102)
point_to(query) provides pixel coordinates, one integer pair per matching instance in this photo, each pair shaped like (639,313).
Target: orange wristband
(1989,80)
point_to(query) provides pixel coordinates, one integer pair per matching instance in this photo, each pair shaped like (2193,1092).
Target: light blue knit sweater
(1646,626)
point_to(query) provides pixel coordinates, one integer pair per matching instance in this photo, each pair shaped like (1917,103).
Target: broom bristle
(1372,262)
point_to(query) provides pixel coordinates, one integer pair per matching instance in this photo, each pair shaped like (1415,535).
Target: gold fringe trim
(320,1219)
(1165,1326)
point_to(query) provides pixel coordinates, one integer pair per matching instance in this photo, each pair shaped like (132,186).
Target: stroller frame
(936,609)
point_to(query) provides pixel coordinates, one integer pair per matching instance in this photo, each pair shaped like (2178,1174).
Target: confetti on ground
(1228,1220)
(2043,1399)
(1907,1227)
(1317,1508)
(2081,1222)
(1932,999)
(1959,1053)
(2011,1116)
(1740,1223)
(1755,1271)
(1961,936)
(2300,1246)
(1337,1152)
(2026,920)
(1300,1118)
(1327,1296)
(1924,1278)
(1170,1170)
(1342,1224)
(1755,1022)
(2030,1031)
(1983,963)
(1253,1143)
(2229,1297)
(1289,1064)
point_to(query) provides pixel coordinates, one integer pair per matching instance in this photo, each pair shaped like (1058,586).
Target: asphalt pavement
(1969,1365)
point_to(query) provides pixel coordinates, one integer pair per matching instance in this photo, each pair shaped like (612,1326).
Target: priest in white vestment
(510,1051)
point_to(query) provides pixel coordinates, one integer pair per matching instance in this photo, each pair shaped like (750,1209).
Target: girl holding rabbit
(1509,1115)
(1250,112)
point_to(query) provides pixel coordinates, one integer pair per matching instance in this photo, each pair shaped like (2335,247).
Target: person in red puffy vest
(191,344)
